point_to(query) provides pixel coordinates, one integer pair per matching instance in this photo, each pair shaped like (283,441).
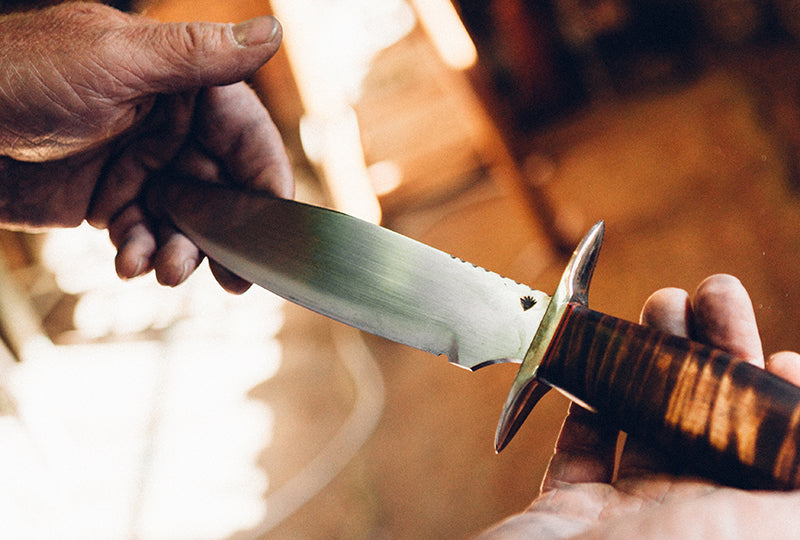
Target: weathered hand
(93,102)
(582,497)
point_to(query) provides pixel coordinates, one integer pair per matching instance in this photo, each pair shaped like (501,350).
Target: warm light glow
(137,440)
(134,437)
(335,143)
(330,46)
(443,25)
(386,176)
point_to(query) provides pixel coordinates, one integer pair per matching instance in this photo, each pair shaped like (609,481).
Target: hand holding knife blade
(734,422)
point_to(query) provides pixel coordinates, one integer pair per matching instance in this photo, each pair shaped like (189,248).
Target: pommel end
(526,390)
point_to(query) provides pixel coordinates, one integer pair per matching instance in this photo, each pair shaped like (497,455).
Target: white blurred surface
(149,432)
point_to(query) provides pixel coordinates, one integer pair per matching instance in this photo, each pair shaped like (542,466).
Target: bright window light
(444,26)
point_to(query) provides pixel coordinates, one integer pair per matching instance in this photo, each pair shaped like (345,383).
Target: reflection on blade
(358,273)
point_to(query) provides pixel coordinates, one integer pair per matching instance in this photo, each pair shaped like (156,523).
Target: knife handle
(721,416)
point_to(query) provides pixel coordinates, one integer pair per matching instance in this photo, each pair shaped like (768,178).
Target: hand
(581,498)
(93,102)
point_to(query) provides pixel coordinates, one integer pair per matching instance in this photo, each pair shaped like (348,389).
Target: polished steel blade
(361,274)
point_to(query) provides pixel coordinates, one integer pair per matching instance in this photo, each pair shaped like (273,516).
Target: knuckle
(194,41)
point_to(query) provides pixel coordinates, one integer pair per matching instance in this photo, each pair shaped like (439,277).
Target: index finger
(236,141)
(585,451)
(668,310)
(724,318)
(235,129)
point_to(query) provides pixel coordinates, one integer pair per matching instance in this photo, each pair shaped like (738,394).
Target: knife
(716,414)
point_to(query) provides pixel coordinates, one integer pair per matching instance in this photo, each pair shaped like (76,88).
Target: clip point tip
(523,396)
(499,445)
(505,430)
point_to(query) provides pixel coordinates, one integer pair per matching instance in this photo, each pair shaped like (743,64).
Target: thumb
(175,57)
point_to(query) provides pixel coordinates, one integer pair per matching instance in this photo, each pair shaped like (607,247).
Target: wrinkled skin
(580,498)
(94,102)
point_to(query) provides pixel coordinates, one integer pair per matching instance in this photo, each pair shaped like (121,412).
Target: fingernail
(124,269)
(257,31)
(137,271)
(175,275)
(188,268)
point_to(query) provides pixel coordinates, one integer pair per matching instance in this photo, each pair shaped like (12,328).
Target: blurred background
(498,131)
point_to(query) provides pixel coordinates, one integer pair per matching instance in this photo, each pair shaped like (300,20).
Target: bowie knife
(721,416)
